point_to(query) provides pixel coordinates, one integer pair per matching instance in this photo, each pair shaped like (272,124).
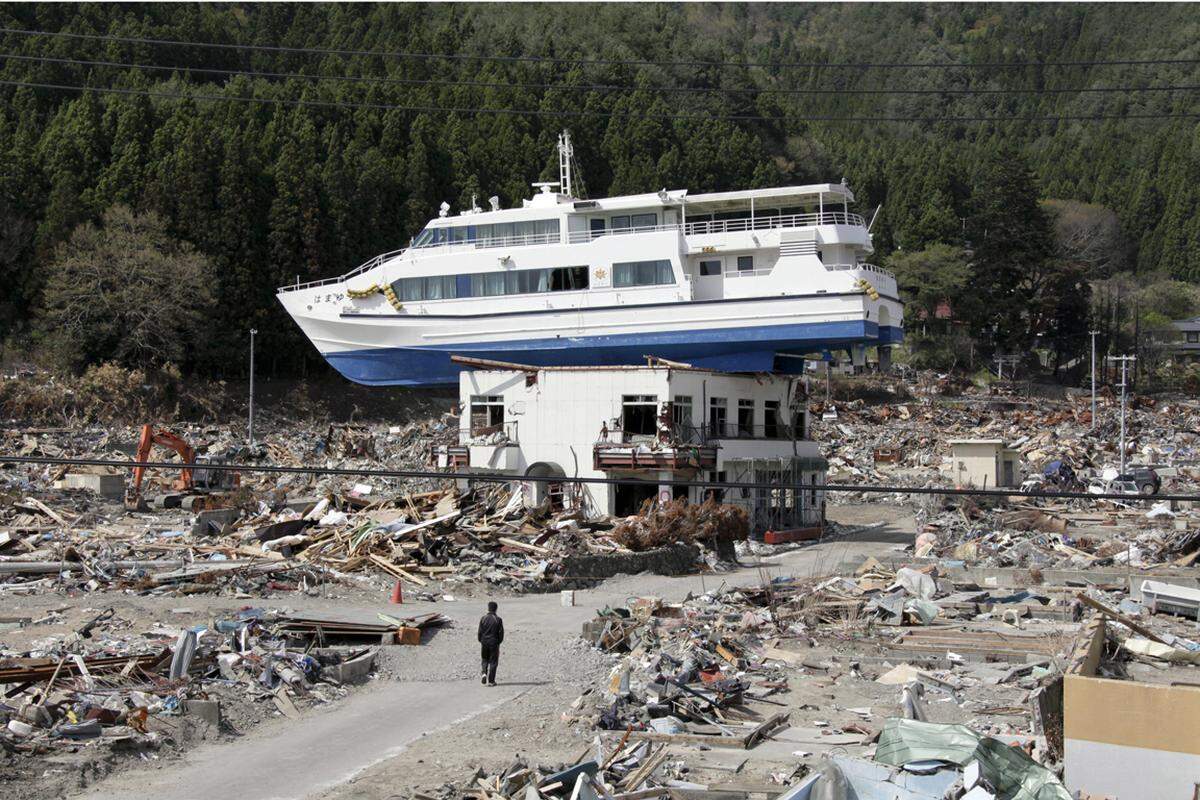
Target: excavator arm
(146,442)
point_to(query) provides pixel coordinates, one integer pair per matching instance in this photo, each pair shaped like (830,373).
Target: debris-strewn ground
(271,600)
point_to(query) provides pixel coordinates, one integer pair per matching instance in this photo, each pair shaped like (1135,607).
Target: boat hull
(388,349)
(748,349)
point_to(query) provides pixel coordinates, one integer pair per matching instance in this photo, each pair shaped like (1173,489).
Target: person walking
(491,635)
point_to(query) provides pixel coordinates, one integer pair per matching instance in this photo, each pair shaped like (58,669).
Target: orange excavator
(194,479)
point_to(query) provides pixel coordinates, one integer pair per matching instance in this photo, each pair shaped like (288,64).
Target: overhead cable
(594,87)
(597,61)
(482,477)
(578,113)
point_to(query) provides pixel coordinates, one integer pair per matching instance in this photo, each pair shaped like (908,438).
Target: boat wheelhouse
(744,281)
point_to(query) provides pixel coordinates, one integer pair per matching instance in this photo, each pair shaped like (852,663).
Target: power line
(598,61)
(537,112)
(596,87)
(480,477)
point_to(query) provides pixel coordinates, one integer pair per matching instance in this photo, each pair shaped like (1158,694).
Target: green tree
(939,273)
(126,291)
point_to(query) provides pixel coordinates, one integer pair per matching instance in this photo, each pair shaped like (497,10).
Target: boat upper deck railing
(361,268)
(773,221)
(863,267)
(579,237)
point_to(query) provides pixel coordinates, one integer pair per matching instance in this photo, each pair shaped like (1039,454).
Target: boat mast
(564,163)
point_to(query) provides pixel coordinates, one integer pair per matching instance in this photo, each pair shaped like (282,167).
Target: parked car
(1117,486)
(1145,478)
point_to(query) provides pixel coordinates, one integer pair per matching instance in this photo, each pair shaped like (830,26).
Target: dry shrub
(662,524)
(108,394)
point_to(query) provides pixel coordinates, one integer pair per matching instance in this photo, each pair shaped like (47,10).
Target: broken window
(713,493)
(639,414)
(681,411)
(772,425)
(487,414)
(745,418)
(718,415)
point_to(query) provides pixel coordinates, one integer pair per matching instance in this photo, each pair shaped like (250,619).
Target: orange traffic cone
(398,592)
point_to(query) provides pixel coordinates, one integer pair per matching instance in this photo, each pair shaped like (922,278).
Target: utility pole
(1093,333)
(1124,385)
(250,424)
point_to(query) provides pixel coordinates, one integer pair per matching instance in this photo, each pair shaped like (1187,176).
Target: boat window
(709,269)
(745,263)
(566,279)
(438,287)
(441,287)
(523,281)
(459,233)
(483,233)
(644,220)
(620,223)
(643,273)
(424,237)
(597,227)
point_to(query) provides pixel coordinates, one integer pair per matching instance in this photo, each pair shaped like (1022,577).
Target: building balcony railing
(732,430)
(616,456)
(449,456)
(500,433)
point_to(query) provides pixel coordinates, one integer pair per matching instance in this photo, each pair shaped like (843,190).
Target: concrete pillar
(858,355)
(885,359)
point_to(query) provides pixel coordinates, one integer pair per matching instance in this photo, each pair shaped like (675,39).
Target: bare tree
(1089,237)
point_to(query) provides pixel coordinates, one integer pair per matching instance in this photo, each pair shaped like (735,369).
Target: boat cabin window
(529,281)
(643,220)
(710,269)
(745,263)
(643,273)
(620,223)
(596,226)
(500,234)
(436,287)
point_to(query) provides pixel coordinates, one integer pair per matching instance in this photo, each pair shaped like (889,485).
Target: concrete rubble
(936,671)
(130,689)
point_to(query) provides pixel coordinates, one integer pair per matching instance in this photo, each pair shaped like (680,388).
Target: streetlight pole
(1124,386)
(250,423)
(1093,333)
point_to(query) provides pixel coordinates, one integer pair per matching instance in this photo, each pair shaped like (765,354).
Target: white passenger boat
(743,281)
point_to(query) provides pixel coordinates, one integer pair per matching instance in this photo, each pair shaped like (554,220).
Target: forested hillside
(320,135)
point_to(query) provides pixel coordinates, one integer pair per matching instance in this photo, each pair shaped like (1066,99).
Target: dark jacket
(491,629)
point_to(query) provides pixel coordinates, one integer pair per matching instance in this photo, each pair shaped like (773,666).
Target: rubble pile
(906,443)
(1044,536)
(113,684)
(286,535)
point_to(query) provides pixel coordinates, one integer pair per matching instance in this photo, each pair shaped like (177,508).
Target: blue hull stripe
(749,349)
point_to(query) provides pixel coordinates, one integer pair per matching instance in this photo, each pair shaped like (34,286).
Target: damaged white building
(644,425)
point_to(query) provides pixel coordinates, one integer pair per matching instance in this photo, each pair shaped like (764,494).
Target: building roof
(489,365)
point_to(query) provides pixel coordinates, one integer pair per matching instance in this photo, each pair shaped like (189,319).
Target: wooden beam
(1121,618)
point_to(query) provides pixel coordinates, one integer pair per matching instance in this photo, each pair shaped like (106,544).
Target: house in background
(650,423)
(984,463)
(1182,340)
